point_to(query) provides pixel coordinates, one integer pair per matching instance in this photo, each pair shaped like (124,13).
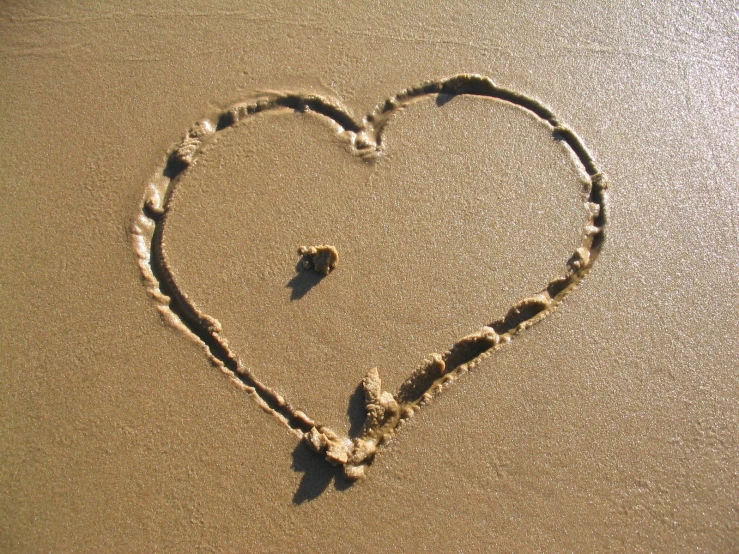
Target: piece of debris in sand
(322,259)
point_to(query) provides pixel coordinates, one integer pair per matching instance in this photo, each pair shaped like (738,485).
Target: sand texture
(359,278)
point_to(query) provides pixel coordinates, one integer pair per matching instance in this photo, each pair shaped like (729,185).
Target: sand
(610,425)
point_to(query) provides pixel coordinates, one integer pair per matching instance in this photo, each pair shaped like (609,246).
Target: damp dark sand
(611,425)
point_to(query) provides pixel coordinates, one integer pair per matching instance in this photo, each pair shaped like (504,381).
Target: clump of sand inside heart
(321,259)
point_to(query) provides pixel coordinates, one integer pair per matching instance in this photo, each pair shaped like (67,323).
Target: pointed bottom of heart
(386,412)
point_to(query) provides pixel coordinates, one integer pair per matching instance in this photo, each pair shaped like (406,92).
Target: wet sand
(609,425)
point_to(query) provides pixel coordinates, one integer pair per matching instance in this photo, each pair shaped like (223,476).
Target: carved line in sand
(386,412)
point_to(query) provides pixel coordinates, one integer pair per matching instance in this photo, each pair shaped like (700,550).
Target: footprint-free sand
(611,425)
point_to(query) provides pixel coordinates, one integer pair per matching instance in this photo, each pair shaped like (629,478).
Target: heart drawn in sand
(386,412)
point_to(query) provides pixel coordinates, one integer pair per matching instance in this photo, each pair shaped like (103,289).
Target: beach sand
(611,425)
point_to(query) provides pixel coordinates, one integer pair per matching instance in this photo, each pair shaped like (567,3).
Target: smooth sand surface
(610,426)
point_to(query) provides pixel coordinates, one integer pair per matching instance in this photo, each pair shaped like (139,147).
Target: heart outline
(386,413)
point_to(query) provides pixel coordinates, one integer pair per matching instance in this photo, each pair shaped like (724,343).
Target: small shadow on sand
(444,98)
(318,475)
(303,282)
(356,412)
